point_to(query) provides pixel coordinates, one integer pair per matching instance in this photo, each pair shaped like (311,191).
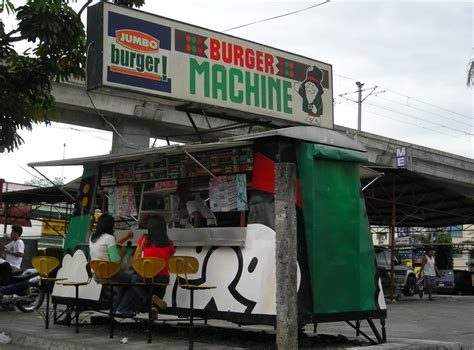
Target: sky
(412,57)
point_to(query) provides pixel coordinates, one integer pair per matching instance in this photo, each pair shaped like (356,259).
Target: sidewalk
(27,331)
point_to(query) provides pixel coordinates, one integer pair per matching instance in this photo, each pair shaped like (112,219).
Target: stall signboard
(145,53)
(53,227)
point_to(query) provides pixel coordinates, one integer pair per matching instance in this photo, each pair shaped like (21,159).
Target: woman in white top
(430,271)
(103,245)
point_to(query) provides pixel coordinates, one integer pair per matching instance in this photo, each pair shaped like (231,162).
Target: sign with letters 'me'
(141,52)
(402,158)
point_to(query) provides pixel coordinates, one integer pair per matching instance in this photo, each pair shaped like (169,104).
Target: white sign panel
(155,55)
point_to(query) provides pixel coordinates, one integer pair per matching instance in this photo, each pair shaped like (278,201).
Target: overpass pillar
(130,136)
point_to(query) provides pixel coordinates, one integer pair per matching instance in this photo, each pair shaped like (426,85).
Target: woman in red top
(156,245)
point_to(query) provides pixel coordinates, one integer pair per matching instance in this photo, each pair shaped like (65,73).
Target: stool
(76,285)
(182,266)
(44,265)
(147,269)
(105,270)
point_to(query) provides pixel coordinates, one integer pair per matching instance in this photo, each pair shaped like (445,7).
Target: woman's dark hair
(104,225)
(157,232)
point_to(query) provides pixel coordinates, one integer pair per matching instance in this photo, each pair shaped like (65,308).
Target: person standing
(429,271)
(14,250)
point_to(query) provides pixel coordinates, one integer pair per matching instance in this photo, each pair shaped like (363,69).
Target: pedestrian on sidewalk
(429,271)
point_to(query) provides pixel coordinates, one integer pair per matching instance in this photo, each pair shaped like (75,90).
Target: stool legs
(150,309)
(77,309)
(191,321)
(112,312)
(46,324)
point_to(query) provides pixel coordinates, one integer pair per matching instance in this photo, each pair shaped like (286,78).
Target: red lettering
(269,68)
(238,52)
(260,61)
(249,59)
(214,49)
(227,52)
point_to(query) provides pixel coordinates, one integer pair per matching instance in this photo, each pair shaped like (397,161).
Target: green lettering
(263,90)
(149,63)
(124,58)
(140,62)
(196,68)
(287,98)
(115,55)
(132,59)
(274,86)
(251,90)
(156,65)
(219,83)
(233,74)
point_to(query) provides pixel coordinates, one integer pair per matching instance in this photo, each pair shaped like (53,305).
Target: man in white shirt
(15,249)
(192,210)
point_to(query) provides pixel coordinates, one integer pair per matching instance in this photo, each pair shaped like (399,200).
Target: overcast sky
(416,52)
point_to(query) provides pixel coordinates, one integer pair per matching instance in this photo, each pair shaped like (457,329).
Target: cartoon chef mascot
(310,90)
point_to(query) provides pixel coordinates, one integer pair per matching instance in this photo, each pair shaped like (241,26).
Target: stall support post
(286,259)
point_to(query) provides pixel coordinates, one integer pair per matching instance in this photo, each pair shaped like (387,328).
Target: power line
(412,124)
(126,142)
(21,167)
(275,17)
(424,110)
(414,99)
(417,117)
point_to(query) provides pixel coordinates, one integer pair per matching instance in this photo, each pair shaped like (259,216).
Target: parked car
(463,282)
(444,283)
(405,277)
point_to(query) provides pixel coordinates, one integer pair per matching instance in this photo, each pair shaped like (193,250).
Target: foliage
(444,254)
(56,39)
(41,182)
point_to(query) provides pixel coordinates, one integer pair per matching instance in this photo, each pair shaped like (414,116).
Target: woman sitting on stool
(156,244)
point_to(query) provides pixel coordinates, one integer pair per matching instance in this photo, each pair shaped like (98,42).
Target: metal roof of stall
(304,133)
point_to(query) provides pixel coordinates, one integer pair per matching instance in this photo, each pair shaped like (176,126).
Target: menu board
(226,161)
(246,159)
(108,175)
(228,193)
(121,201)
(124,173)
(144,171)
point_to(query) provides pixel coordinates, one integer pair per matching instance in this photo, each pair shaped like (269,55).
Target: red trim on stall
(263,178)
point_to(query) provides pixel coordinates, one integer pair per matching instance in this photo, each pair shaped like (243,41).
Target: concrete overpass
(434,180)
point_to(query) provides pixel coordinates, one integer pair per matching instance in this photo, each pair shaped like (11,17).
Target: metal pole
(359,105)
(392,250)
(286,257)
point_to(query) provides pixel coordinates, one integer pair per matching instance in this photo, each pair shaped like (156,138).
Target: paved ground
(448,322)
(447,318)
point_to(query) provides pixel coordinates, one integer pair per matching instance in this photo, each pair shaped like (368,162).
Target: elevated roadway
(434,188)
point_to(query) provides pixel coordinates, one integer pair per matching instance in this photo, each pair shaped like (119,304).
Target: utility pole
(286,257)
(359,104)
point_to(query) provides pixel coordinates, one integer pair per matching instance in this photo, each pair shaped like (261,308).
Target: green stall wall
(340,252)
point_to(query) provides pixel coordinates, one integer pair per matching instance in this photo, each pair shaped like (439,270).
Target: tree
(444,253)
(40,182)
(56,37)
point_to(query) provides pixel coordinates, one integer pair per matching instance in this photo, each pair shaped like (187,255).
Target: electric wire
(420,118)
(413,98)
(276,17)
(408,114)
